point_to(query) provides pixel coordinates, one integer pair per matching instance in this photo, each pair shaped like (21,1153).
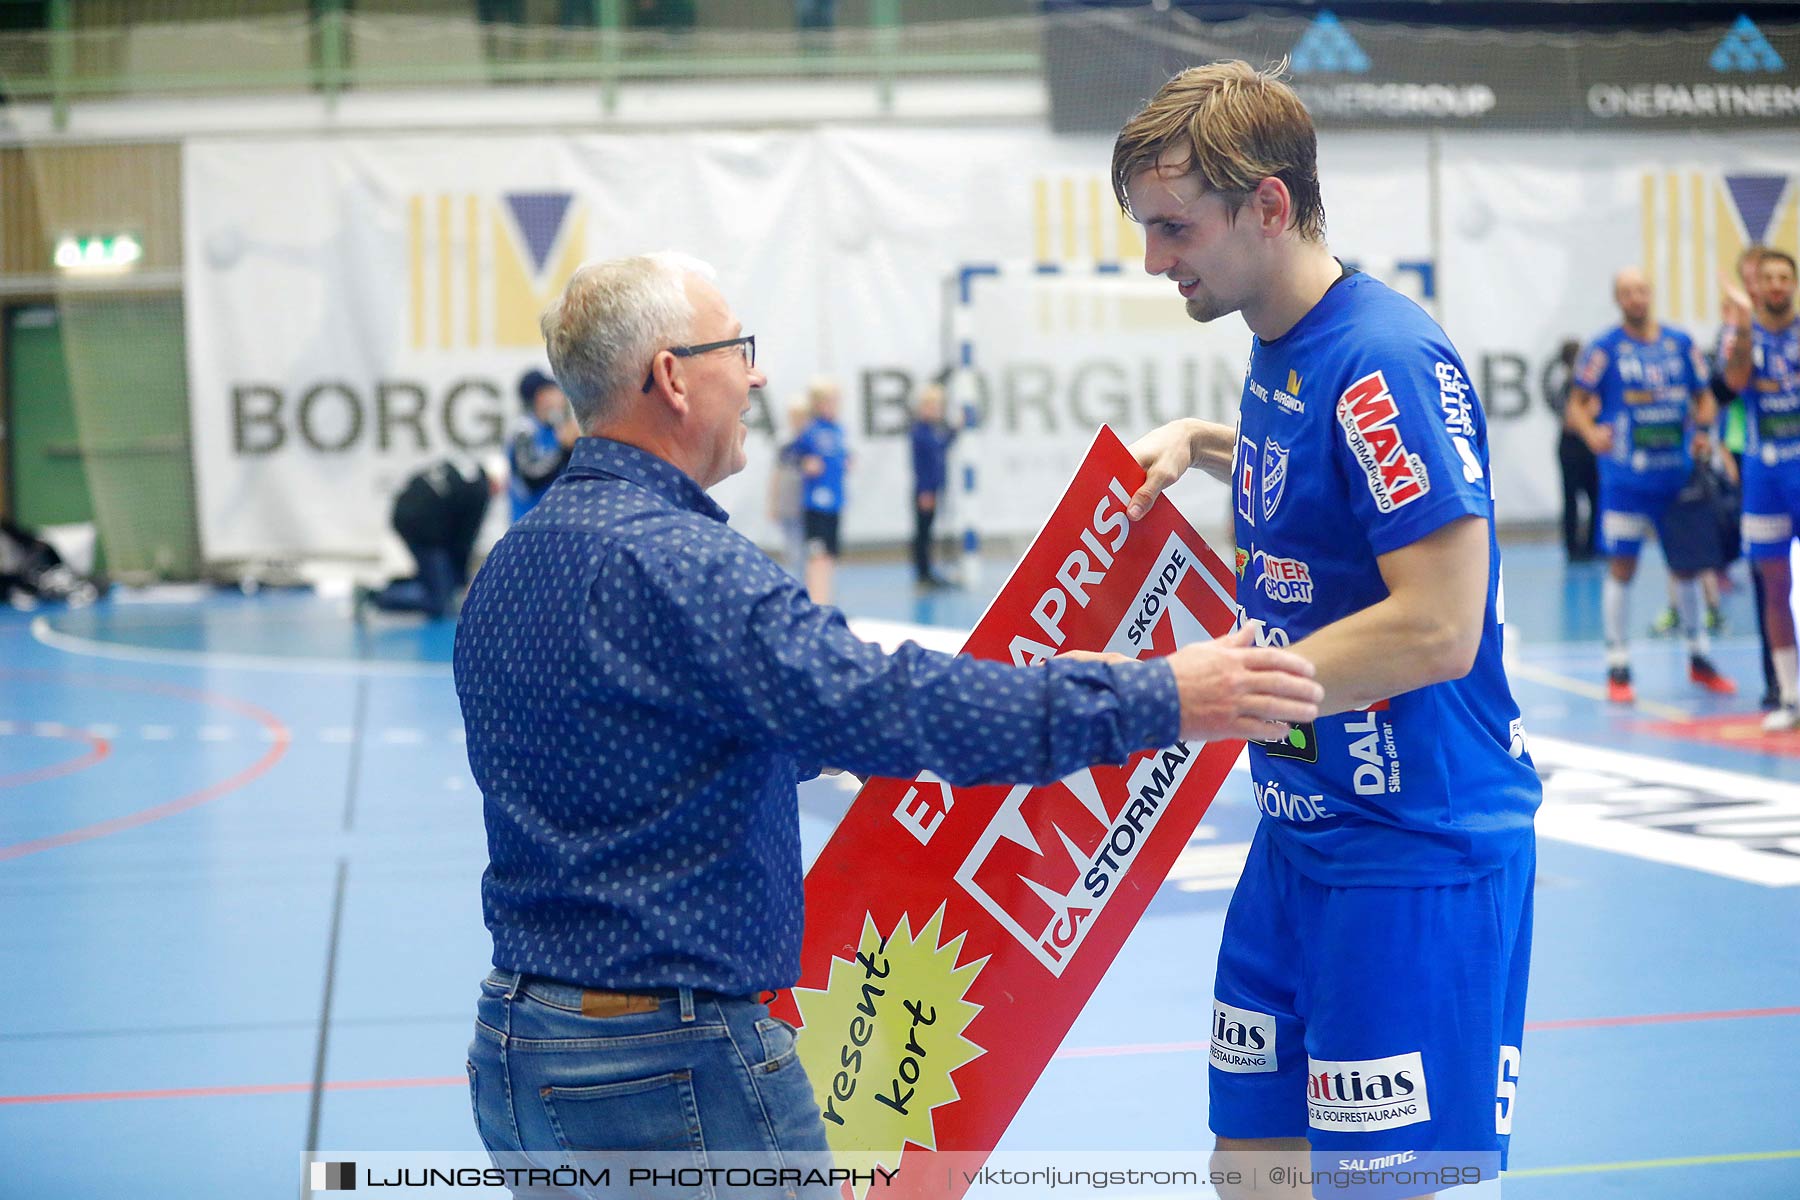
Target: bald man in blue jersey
(1639,396)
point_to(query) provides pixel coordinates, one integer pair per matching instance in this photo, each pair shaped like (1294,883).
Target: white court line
(70,643)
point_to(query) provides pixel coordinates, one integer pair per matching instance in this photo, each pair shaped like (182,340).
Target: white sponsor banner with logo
(360,305)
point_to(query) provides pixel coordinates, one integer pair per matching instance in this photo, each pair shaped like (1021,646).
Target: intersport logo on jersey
(1371,422)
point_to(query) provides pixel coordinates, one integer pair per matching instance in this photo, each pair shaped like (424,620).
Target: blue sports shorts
(1371,1018)
(1771,507)
(1631,506)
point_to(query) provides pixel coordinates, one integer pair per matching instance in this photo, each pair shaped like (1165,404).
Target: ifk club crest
(481,267)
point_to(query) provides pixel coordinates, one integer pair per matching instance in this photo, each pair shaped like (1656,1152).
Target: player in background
(1640,395)
(1732,437)
(825,460)
(1762,365)
(1377,944)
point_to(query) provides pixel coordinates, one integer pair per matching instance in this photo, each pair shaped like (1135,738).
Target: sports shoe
(1782,720)
(1667,622)
(1715,620)
(1618,686)
(1702,672)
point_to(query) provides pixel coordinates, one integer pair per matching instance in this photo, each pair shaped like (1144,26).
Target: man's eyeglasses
(748,342)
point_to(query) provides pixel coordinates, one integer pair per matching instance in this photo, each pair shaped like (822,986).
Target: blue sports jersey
(534,445)
(825,440)
(1646,389)
(1772,401)
(1359,433)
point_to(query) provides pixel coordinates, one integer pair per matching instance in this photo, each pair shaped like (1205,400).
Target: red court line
(1730,1014)
(370,1085)
(98,748)
(279,739)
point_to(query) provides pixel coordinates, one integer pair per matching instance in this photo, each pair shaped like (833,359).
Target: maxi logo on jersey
(1370,420)
(1051,858)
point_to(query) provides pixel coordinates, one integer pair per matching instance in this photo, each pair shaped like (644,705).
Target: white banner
(359,305)
(1534,228)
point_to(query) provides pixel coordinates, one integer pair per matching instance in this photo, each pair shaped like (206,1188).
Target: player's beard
(1205,307)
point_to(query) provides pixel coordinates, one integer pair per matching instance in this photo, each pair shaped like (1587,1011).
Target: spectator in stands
(824,462)
(1580,471)
(540,447)
(437,514)
(931,440)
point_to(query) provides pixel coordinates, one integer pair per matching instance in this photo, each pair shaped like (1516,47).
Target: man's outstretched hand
(1233,688)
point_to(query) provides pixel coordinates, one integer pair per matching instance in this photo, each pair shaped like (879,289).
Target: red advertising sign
(954,934)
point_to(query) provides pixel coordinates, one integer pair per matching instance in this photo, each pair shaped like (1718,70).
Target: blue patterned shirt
(642,689)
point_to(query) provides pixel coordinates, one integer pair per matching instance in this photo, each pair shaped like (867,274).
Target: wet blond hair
(1238,127)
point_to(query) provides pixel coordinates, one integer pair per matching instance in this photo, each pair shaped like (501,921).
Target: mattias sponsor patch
(1369,1093)
(1370,420)
(1243,1040)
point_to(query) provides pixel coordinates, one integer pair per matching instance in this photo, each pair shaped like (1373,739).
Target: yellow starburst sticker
(884,1034)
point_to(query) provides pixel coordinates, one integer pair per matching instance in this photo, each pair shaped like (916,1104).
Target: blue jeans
(701,1074)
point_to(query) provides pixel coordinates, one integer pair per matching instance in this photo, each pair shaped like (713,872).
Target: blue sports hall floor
(240,853)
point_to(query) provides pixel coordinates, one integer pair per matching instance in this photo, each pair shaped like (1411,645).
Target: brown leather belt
(596,1002)
(604,1002)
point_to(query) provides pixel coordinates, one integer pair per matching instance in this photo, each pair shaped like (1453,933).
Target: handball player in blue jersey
(1370,991)
(1762,365)
(1638,399)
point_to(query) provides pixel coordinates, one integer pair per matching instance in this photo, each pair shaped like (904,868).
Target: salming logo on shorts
(1370,1093)
(1243,1040)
